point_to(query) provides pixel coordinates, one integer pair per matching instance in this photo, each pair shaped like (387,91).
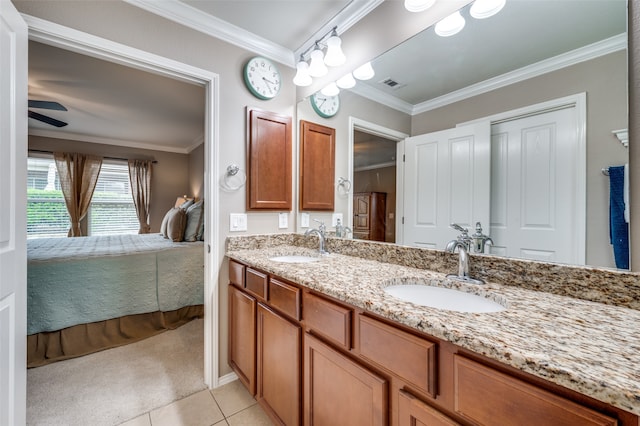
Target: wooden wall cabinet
(369,214)
(269,156)
(317,166)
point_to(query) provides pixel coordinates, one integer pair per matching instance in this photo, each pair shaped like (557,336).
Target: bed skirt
(83,339)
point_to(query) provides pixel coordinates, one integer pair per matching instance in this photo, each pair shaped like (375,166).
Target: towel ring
(233,179)
(344,186)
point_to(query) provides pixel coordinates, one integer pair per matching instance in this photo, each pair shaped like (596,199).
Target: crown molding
(592,51)
(191,17)
(105,141)
(582,54)
(345,19)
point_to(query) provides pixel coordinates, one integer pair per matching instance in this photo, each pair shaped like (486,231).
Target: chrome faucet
(463,262)
(480,240)
(320,233)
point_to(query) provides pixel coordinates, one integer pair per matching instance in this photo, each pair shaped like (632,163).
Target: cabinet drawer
(327,319)
(285,297)
(256,283)
(412,411)
(405,355)
(488,397)
(236,273)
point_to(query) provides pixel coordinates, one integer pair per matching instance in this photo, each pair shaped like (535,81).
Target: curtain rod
(106,158)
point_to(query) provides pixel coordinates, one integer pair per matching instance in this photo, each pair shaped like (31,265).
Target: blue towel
(618,228)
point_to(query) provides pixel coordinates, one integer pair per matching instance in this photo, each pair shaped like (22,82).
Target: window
(111,211)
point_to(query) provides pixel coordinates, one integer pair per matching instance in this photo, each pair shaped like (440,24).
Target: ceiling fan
(46,105)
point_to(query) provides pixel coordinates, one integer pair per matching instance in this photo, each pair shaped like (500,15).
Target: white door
(446,180)
(534,187)
(13,230)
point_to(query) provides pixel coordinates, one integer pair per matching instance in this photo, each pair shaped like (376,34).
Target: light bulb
(317,68)
(302,77)
(334,56)
(450,25)
(364,72)
(418,5)
(481,9)
(346,81)
(330,89)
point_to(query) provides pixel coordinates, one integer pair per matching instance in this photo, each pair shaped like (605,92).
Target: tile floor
(228,405)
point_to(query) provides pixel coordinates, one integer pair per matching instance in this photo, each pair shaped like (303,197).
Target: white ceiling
(110,103)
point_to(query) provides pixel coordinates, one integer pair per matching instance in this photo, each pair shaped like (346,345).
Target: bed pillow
(175,224)
(163,226)
(195,221)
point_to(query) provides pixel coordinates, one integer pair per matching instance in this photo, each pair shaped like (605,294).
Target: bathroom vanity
(321,342)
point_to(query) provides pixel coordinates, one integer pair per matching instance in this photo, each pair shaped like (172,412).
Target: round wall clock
(325,106)
(262,78)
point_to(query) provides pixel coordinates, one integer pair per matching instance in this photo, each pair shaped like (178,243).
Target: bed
(90,293)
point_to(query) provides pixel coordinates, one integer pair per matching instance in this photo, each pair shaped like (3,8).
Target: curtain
(140,179)
(78,176)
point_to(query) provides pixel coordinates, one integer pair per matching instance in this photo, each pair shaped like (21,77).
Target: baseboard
(227,378)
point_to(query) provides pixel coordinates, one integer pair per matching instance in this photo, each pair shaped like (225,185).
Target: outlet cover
(335,217)
(237,222)
(283,220)
(304,220)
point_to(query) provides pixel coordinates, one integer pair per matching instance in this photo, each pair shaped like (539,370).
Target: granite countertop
(590,347)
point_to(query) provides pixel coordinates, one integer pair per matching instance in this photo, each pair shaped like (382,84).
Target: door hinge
(403,220)
(403,158)
(208,248)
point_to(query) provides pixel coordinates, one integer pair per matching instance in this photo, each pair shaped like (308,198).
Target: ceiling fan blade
(47,105)
(46,119)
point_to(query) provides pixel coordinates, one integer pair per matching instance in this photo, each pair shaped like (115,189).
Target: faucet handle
(321,227)
(459,228)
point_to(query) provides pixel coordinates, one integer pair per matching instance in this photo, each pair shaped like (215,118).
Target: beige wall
(605,81)
(380,180)
(196,172)
(169,178)
(129,25)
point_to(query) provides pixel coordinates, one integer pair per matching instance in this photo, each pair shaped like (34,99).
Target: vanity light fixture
(330,89)
(346,82)
(334,56)
(364,72)
(418,5)
(317,68)
(302,77)
(481,9)
(450,25)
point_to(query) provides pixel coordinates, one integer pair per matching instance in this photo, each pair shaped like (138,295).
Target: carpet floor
(115,385)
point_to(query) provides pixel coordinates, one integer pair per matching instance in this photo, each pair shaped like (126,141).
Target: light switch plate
(335,217)
(283,220)
(304,220)
(237,222)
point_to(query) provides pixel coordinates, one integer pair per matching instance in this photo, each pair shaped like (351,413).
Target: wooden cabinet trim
(256,283)
(482,392)
(285,297)
(327,319)
(317,166)
(269,159)
(411,358)
(236,273)
(413,411)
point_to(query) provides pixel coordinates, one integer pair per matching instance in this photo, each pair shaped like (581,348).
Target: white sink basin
(443,298)
(294,259)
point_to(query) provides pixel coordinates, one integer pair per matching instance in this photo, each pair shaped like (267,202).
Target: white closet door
(534,187)
(13,230)
(447,180)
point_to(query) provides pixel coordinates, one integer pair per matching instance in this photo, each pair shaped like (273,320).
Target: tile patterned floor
(228,405)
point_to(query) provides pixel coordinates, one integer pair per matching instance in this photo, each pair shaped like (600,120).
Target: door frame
(579,102)
(67,38)
(385,132)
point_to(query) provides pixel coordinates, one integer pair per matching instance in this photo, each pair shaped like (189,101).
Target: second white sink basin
(294,259)
(443,298)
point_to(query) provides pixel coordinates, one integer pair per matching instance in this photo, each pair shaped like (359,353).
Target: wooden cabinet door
(279,369)
(339,391)
(317,166)
(414,412)
(269,161)
(242,337)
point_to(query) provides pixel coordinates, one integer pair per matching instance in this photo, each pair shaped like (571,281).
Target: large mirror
(531,53)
